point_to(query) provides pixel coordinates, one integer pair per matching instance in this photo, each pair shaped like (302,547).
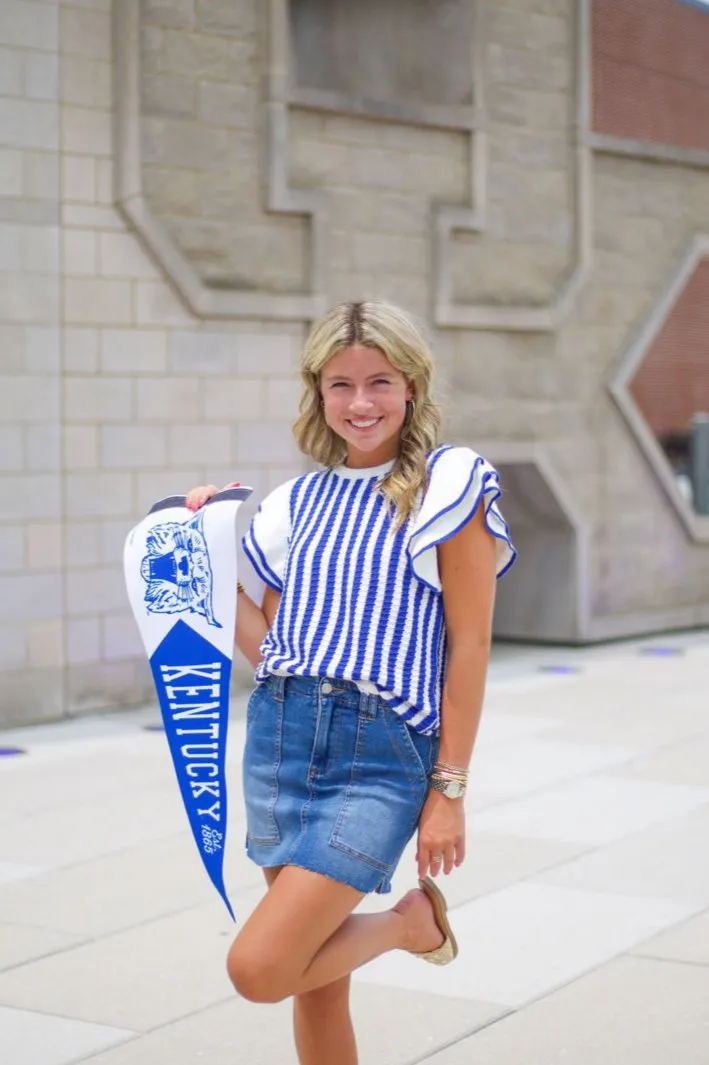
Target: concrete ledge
(447,220)
(203,301)
(647,622)
(649,150)
(454,118)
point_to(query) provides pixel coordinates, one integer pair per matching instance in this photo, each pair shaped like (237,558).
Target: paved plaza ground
(582,911)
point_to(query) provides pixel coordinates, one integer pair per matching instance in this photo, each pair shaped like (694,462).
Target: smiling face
(364,402)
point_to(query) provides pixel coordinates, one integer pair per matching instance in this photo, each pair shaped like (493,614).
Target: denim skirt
(334,780)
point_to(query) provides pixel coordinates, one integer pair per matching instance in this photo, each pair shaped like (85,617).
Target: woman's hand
(441,835)
(197,497)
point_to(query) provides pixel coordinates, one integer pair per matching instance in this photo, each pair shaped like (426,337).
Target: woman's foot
(422,933)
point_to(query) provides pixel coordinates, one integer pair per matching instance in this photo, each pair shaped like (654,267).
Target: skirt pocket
(385,793)
(262,759)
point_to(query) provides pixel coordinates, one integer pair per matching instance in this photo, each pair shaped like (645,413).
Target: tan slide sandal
(448,950)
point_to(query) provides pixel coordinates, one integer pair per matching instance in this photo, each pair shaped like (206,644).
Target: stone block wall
(114,392)
(381,179)
(528,95)
(32,594)
(111,393)
(203,68)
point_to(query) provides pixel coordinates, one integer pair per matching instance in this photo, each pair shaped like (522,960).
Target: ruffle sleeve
(266,542)
(460,481)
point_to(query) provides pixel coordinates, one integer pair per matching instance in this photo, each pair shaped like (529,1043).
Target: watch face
(454,791)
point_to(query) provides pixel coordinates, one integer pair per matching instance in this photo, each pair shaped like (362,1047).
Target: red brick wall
(673,380)
(651,71)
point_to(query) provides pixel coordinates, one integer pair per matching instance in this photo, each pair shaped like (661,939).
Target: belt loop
(280,686)
(368,705)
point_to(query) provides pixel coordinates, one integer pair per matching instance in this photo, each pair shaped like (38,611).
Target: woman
(370,647)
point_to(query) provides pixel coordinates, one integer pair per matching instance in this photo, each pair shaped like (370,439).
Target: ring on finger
(436,859)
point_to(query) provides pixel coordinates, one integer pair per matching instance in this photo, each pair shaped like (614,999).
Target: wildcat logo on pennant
(181,577)
(177,570)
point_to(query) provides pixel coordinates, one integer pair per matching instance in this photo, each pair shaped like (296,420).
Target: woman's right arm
(252,621)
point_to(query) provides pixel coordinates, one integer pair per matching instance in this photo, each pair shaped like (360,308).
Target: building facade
(186,184)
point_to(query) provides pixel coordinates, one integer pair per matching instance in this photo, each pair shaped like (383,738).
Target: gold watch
(452,789)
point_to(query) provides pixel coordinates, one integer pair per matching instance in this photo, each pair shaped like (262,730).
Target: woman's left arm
(467,567)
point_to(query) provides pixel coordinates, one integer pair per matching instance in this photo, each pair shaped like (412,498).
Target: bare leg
(303,936)
(323,1025)
(321,1019)
(410,925)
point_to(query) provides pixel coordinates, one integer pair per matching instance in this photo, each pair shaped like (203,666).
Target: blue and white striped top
(360,602)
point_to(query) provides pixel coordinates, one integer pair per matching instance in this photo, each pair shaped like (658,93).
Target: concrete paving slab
(632,718)
(522,942)
(533,696)
(679,763)
(126,872)
(388,1029)
(30,1038)
(688,942)
(61,775)
(594,810)
(137,979)
(20,943)
(665,861)
(500,727)
(492,862)
(76,729)
(126,888)
(83,830)
(631,1010)
(617,665)
(11,871)
(100,746)
(538,762)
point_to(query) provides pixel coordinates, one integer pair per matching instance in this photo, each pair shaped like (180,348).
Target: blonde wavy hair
(373,324)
